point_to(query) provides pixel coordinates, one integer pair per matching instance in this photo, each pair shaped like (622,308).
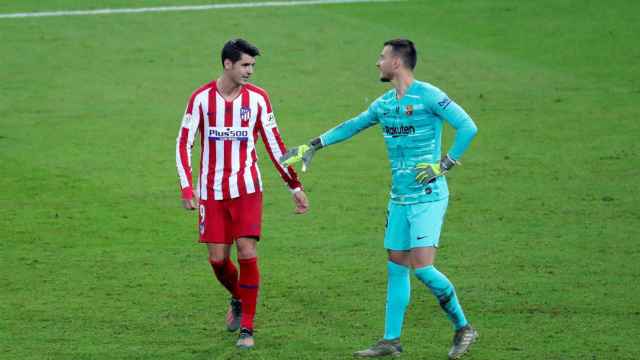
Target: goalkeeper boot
(462,340)
(245,339)
(381,348)
(234,315)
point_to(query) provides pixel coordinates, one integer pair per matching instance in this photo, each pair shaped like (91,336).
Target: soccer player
(230,114)
(411,117)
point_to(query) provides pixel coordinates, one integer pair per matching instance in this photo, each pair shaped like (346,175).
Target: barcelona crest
(409,110)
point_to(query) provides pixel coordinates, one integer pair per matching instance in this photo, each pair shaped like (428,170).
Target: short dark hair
(405,49)
(234,49)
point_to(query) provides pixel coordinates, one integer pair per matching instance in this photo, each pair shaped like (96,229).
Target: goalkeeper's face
(240,71)
(387,63)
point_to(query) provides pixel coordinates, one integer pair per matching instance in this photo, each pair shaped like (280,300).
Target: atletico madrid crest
(409,110)
(245,113)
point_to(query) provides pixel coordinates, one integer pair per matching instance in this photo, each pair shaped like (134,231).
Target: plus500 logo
(229,133)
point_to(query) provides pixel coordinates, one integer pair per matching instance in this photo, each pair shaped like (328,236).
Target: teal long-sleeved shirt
(412,130)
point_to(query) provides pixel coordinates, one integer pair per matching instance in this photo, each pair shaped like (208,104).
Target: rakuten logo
(399,130)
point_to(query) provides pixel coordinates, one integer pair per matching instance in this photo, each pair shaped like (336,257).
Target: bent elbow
(470,130)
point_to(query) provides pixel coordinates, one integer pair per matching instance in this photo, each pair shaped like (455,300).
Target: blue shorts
(415,225)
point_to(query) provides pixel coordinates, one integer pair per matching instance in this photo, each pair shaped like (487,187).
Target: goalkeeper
(411,117)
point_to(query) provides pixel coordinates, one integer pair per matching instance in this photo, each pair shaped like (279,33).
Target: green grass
(98,260)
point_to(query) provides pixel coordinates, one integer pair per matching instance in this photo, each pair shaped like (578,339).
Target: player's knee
(423,256)
(246,251)
(246,248)
(399,257)
(217,258)
(218,255)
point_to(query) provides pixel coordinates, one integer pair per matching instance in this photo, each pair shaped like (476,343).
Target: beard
(385,77)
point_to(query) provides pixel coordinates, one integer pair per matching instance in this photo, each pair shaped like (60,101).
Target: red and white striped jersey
(229,131)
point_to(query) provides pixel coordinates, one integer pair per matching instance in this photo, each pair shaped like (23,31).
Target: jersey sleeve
(350,127)
(273,142)
(184,143)
(455,115)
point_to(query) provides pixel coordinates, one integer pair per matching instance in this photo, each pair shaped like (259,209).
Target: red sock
(248,285)
(227,274)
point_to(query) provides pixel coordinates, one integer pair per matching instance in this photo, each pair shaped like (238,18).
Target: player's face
(386,64)
(240,72)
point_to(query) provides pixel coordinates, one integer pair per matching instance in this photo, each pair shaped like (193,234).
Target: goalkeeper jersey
(412,130)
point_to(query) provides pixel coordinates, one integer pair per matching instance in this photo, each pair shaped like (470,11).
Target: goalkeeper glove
(428,173)
(302,153)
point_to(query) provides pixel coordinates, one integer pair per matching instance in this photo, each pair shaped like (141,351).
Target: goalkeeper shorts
(224,221)
(415,225)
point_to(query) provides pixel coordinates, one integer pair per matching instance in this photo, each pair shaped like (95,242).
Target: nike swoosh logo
(421,237)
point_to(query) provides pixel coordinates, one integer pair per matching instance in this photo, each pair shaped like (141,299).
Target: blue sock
(398,294)
(443,289)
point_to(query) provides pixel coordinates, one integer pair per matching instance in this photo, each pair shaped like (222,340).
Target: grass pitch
(99,261)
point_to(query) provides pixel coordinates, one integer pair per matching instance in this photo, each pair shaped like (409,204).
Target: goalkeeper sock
(227,275)
(249,284)
(398,295)
(443,289)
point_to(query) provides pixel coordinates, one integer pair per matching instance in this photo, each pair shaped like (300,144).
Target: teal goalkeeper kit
(412,130)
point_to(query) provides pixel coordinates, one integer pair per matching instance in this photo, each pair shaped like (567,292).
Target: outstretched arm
(338,134)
